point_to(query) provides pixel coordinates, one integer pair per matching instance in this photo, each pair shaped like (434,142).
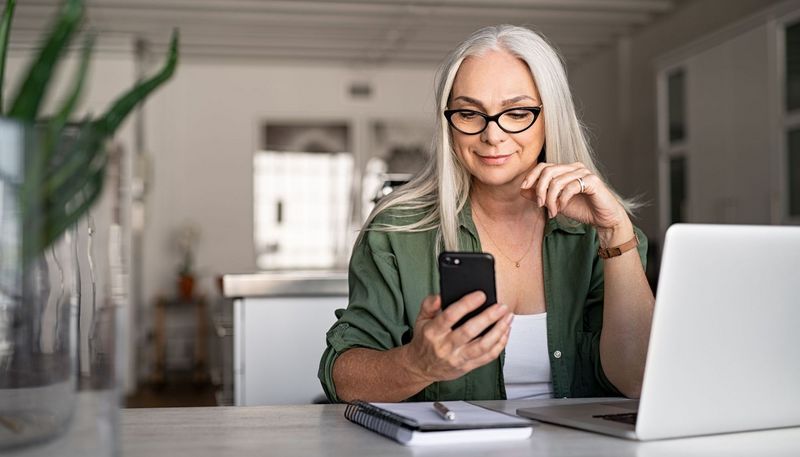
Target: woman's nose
(493,134)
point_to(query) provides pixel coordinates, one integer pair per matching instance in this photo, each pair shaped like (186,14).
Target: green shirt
(392,272)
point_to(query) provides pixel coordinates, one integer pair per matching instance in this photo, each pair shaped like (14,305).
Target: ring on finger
(582,184)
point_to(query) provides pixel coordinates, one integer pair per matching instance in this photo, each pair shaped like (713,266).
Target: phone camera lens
(447,259)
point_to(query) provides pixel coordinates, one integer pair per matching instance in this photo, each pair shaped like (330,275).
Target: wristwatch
(607,253)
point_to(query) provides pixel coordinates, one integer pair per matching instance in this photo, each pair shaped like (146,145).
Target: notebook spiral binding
(378,420)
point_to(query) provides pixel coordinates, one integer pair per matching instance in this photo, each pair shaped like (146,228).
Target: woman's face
(491,83)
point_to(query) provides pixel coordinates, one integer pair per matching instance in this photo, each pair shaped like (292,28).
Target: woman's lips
(494,160)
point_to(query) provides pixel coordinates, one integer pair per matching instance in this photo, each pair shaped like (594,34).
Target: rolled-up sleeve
(375,315)
(589,341)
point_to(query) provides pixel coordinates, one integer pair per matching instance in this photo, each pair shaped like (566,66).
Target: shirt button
(557,354)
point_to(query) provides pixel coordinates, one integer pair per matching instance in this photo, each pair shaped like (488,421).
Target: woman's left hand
(557,187)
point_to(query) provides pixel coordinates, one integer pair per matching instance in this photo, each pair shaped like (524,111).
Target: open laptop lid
(724,350)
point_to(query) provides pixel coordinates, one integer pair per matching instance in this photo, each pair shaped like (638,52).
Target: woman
(581,322)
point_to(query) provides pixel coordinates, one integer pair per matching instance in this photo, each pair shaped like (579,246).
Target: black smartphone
(461,273)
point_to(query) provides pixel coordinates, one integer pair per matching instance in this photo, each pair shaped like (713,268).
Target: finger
(534,174)
(430,307)
(460,308)
(475,326)
(489,355)
(547,175)
(527,188)
(480,346)
(570,190)
(557,185)
(592,184)
(528,193)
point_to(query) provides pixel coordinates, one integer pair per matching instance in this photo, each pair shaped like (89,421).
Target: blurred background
(287,119)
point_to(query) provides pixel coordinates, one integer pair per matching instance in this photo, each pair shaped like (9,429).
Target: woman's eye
(518,115)
(466,115)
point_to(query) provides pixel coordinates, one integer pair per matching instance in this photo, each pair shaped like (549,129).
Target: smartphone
(463,272)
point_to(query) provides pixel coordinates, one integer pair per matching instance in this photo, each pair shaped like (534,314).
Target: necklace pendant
(516,264)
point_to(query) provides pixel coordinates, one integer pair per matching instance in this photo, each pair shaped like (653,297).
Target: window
(793,67)
(677,189)
(793,149)
(301,184)
(676,98)
(673,147)
(791,123)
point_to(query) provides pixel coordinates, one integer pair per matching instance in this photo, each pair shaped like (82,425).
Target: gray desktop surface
(322,430)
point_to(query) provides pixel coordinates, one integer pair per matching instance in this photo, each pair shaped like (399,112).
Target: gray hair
(439,192)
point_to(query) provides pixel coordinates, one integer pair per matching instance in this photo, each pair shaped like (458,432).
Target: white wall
(629,150)
(729,131)
(203,129)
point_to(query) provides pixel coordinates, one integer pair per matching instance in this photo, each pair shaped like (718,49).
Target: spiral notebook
(419,423)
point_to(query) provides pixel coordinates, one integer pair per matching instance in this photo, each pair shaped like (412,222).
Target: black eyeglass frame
(536,110)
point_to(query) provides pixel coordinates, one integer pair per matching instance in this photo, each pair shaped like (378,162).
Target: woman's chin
(497,177)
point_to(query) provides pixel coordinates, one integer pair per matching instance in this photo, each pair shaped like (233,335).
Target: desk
(322,430)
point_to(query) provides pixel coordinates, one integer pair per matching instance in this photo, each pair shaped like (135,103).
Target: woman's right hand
(439,353)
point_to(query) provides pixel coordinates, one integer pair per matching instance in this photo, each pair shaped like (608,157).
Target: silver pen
(444,411)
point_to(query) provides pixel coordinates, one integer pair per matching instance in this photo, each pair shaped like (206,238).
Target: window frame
(786,120)
(668,150)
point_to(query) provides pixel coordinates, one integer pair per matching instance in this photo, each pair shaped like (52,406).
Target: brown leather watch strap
(607,253)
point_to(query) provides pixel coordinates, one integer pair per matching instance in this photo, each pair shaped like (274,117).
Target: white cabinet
(279,336)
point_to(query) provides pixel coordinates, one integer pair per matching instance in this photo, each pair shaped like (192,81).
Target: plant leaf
(64,217)
(120,109)
(35,169)
(26,104)
(36,199)
(51,214)
(75,161)
(66,195)
(5,31)
(57,219)
(68,106)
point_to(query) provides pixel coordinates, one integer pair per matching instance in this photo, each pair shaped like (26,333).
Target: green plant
(65,176)
(186,238)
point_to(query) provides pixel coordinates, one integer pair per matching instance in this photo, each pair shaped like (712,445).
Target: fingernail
(509,319)
(525,183)
(540,202)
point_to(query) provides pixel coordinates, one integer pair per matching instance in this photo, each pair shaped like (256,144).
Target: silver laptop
(724,353)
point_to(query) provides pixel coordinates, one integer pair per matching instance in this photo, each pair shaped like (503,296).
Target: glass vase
(59,367)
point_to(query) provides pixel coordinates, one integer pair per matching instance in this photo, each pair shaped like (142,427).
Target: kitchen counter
(279,325)
(286,284)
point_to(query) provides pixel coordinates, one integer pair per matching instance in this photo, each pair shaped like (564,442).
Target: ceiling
(349,32)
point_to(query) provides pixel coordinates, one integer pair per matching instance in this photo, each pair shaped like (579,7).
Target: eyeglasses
(513,120)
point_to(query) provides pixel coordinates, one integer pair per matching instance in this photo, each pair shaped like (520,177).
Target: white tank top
(526,370)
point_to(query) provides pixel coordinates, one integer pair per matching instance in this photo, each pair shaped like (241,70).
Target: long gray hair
(438,193)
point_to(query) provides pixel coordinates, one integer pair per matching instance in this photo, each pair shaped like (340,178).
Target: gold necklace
(515,262)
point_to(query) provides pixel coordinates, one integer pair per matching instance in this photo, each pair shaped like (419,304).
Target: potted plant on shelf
(186,239)
(52,172)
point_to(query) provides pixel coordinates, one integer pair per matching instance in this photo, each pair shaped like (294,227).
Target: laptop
(724,352)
